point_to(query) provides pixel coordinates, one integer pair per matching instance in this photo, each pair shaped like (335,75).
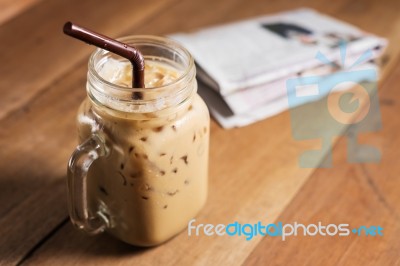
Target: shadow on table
(35,225)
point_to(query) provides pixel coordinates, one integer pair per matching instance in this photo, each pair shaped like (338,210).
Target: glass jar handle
(92,222)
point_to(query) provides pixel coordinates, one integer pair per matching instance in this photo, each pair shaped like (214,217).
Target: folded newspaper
(243,67)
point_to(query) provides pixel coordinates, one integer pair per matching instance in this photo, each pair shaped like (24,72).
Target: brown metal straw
(114,46)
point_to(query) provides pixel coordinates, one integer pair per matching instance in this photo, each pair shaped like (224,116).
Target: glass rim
(142,40)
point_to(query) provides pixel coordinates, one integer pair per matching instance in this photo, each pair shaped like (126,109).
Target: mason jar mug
(140,170)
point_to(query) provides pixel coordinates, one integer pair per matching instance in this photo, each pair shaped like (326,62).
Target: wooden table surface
(254,172)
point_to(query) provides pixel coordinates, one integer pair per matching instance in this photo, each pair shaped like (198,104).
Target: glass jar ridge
(154,99)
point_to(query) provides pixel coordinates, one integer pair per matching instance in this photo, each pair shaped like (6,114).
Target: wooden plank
(32,221)
(247,193)
(32,191)
(14,124)
(12,8)
(36,139)
(358,194)
(37,53)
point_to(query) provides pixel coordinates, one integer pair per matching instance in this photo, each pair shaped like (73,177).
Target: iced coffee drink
(151,176)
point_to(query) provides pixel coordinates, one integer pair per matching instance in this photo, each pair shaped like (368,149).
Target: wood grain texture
(357,194)
(254,173)
(36,130)
(12,8)
(38,53)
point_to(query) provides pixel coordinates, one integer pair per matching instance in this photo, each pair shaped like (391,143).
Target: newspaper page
(248,62)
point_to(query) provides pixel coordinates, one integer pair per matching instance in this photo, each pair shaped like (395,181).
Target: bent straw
(114,46)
